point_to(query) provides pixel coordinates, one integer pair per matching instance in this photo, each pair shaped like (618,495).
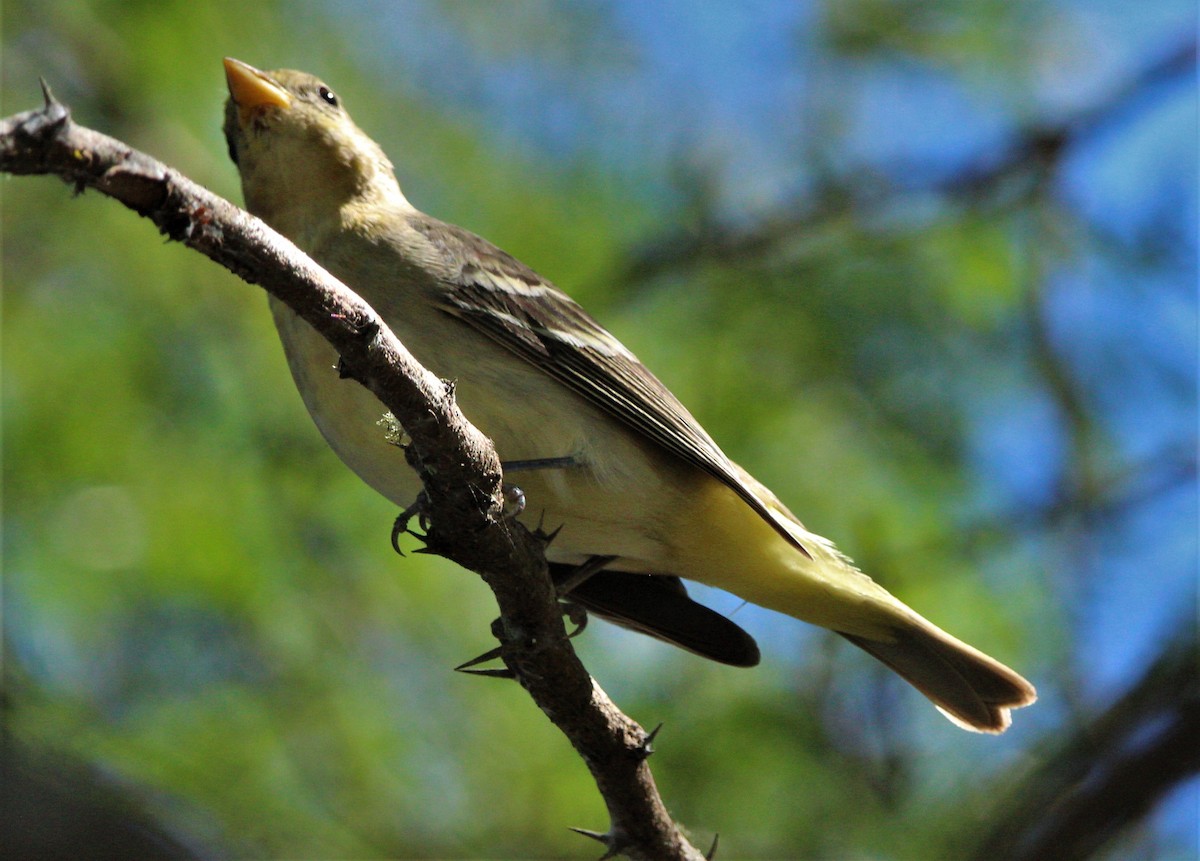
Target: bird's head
(300,156)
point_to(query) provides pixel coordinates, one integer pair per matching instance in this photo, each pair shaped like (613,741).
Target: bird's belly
(616,499)
(616,495)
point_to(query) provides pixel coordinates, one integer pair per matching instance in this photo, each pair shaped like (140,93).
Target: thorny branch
(457,464)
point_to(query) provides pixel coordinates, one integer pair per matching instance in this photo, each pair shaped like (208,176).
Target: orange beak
(251,88)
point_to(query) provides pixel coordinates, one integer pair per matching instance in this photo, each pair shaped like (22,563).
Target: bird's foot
(400,527)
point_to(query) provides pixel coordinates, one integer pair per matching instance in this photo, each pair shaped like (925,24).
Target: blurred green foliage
(201,601)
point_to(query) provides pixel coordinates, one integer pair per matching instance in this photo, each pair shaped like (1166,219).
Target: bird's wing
(504,299)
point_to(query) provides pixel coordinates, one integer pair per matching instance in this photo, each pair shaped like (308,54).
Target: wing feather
(504,299)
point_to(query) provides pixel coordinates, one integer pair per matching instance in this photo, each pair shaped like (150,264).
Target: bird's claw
(400,527)
(578,616)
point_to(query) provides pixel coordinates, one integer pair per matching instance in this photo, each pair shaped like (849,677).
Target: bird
(641,496)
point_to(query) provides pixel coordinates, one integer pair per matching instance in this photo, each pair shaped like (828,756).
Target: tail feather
(659,605)
(971,689)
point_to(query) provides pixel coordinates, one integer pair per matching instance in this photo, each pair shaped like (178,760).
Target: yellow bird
(604,450)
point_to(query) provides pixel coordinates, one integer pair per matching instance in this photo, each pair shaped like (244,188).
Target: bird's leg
(577,576)
(514,504)
(514,497)
(568,462)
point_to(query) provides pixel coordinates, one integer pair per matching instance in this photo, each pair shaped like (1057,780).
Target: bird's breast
(616,498)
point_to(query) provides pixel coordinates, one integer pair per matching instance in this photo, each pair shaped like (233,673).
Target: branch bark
(1089,788)
(457,464)
(1034,150)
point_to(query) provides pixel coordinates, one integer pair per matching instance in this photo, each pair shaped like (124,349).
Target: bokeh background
(926,268)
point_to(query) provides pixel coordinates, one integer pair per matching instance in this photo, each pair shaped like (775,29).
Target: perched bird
(639,489)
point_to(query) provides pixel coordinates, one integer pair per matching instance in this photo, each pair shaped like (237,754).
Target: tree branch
(1090,787)
(1036,149)
(457,464)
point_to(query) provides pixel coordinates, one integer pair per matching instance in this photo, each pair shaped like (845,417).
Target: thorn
(601,837)
(646,748)
(613,850)
(489,655)
(467,666)
(546,537)
(652,735)
(368,329)
(712,850)
(491,674)
(54,112)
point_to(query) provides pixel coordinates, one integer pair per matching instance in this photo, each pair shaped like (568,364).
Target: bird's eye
(327,96)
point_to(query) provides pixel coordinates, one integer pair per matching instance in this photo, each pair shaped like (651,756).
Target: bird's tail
(973,690)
